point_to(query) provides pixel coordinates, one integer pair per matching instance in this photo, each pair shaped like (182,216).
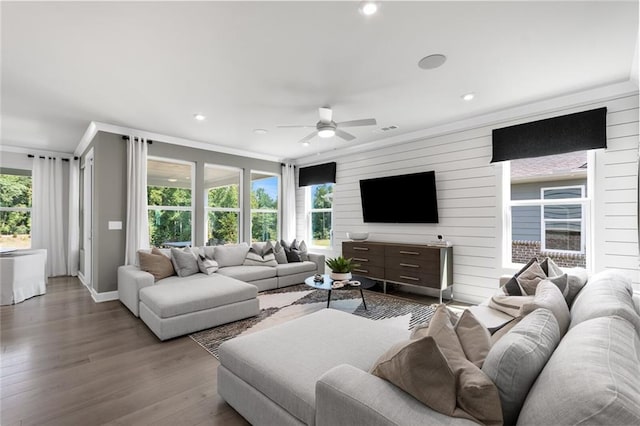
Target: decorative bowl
(357,236)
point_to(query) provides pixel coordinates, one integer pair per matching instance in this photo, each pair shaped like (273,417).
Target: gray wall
(525,220)
(110,162)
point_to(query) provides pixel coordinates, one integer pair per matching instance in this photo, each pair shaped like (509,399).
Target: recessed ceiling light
(368,8)
(468,96)
(260,131)
(199,117)
(172,180)
(306,143)
(432,61)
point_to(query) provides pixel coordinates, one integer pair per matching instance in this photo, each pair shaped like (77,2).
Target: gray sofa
(175,305)
(317,373)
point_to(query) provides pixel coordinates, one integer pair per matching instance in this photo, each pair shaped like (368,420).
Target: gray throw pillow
(511,287)
(515,361)
(292,251)
(206,265)
(548,296)
(530,278)
(231,255)
(255,259)
(278,250)
(184,261)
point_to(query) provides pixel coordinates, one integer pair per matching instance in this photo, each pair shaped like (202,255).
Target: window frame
(190,208)
(278,208)
(582,201)
(309,215)
(238,210)
(504,200)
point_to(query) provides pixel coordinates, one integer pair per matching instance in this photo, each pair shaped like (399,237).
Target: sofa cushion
(515,361)
(285,269)
(184,261)
(491,318)
(607,293)
(510,305)
(576,279)
(156,264)
(231,255)
(248,273)
(591,378)
(306,348)
(180,295)
(548,296)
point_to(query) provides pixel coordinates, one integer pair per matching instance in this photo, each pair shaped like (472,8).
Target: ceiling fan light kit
(326,127)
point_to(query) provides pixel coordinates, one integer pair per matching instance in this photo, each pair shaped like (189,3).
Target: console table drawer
(364,259)
(420,264)
(356,249)
(406,252)
(369,271)
(423,280)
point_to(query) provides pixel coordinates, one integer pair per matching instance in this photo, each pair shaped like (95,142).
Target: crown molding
(34,151)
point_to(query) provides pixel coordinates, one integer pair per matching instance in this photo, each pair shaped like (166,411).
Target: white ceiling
(247,65)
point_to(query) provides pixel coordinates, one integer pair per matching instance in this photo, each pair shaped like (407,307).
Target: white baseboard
(106,296)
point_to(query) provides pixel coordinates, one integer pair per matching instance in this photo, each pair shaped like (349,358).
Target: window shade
(318,174)
(567,133)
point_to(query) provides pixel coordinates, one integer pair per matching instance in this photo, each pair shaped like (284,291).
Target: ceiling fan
(326,127)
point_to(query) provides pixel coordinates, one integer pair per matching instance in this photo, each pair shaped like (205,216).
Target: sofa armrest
(130,280)
(346,395)
(318,259)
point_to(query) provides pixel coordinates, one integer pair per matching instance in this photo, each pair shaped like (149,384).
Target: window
(321,215)
(170,202)
(15,209)
(548,208)
(222,187)
(264,206)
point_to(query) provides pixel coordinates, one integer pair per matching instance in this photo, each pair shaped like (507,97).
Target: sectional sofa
(318,372)
(175,305)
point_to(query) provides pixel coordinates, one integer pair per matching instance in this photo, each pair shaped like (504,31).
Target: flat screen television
(409,198)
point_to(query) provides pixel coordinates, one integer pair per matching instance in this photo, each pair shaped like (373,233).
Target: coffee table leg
(328,298)
(363,302)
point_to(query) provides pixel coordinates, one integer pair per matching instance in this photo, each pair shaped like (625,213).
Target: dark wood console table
(417,265)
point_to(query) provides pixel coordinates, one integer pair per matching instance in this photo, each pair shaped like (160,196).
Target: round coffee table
(327,282)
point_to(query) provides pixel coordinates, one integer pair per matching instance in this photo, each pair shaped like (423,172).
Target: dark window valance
(318,174)
(567,133)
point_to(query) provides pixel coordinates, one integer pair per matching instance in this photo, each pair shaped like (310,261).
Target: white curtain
(73,258)
(47,214)
(137,231)
(289,202)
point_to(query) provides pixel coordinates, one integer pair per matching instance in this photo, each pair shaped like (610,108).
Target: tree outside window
(15,210)
(321,215)
(223,204)
(169,199)
(264,206)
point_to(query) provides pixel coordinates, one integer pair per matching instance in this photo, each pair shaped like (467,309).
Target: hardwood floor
(66,360)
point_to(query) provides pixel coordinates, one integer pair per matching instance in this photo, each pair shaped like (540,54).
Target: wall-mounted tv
(409,198)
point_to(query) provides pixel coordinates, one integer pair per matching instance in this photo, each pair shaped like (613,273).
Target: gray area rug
(282,305)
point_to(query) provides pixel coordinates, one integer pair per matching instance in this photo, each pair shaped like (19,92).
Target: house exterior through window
(548,208)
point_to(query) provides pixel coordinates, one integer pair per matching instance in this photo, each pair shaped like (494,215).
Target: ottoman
(176,308)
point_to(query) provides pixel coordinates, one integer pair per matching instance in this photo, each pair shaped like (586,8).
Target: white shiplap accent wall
(468,189)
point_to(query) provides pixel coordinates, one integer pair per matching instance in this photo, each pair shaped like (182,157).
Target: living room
(79,79)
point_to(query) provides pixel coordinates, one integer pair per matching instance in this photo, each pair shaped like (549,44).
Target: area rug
(282,305)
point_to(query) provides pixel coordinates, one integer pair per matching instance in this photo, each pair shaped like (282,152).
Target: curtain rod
(50,158)
(126,138)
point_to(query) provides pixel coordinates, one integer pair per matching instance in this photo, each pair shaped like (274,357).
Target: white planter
(340,276)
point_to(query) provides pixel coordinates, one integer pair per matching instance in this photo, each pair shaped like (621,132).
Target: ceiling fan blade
(297,126)
(363,122)
(344,135)
(326,115)
(308,137)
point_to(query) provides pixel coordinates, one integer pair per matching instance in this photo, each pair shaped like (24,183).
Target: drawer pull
(404,277)
(361,248)
(357,259)
(364,271)
(414,253)
(409,265)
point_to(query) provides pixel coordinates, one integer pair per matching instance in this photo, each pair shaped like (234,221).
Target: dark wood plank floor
(66,360)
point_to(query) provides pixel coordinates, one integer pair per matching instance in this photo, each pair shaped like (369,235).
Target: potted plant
(341,268)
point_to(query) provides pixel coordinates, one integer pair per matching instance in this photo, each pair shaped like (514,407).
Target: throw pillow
(278,250)
(515,361)
(548,296)
(292,251)
(474,338)
(304,254)
(185,261)
(156,264)
(420,330)
(231,254)
(206,265)
(576,279)
(511,287)
(550,268)
(254,258)
(419,368)
(530,278)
